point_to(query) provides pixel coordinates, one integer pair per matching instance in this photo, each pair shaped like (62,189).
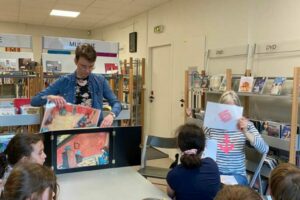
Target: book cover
(246,84)
(264,127)
(223,85)
(205,82)
(277,85)
(285,132)
(235,84)
(215,82)
(196,80)
(274,129)
(69,117)
(259,85)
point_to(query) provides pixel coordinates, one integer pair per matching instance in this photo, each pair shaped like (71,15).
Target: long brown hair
(190,137)
(18,147)
(285,182)
(29,180)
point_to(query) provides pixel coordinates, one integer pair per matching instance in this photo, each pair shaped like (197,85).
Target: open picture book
(69,117)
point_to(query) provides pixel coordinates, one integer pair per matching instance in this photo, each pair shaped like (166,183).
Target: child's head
(30,181)
(237,192)
(191,142)
(24,147)
(285,182)
(230,97)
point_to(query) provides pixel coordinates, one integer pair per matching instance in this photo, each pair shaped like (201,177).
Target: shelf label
(277,47)
(229,51)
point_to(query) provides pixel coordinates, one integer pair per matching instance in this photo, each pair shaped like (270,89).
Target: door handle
(151,97)
(181,102)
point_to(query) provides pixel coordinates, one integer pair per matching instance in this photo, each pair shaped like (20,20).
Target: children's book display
(243,84)
(69,117)
(246,84)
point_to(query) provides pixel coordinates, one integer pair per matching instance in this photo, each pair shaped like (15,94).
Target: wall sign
(62,43)
(12,40)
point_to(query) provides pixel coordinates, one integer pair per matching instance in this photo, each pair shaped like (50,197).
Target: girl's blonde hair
(230,96)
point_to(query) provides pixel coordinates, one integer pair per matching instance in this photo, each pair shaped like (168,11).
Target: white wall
(224,23)
(37,32)
(120,33)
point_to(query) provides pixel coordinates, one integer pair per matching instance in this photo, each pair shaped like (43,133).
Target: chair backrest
(155,141)
(254,163)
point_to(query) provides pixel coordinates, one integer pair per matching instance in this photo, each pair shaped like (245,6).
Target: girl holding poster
(231,143)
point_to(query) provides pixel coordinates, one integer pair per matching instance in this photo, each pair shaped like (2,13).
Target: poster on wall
(53,66)
(8,65)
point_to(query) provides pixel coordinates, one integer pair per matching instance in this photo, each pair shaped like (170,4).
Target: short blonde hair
(230,96)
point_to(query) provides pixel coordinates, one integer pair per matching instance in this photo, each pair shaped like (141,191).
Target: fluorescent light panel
(64,13)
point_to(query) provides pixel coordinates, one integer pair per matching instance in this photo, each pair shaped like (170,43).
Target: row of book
(248,84)
(274,129)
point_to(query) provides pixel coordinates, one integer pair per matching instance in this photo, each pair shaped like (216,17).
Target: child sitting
(194,178)
(22,147)
(285,182)
(30,181)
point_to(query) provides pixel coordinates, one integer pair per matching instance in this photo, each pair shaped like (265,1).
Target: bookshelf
(129,88)
(25,84)
(290,97)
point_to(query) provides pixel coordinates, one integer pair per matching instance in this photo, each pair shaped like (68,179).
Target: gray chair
(149,148)
(254,164)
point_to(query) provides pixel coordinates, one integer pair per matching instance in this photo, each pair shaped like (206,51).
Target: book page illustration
(69,117)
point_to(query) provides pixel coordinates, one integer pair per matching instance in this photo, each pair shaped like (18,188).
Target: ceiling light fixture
(64,13)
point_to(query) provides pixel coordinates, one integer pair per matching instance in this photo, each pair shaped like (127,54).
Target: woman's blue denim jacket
(65,86)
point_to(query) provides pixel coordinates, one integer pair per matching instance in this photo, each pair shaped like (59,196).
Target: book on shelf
(235,84)
(277,85)
(273,129)
(263,128)
(196,80)
(69,117)
(259,85)
(285,132)
(205,82)
(246,84)
(223,85)
(215,82)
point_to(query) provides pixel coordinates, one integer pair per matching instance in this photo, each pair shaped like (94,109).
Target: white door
(160,122)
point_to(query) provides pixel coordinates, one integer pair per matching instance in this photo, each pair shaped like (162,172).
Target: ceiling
(93,13)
